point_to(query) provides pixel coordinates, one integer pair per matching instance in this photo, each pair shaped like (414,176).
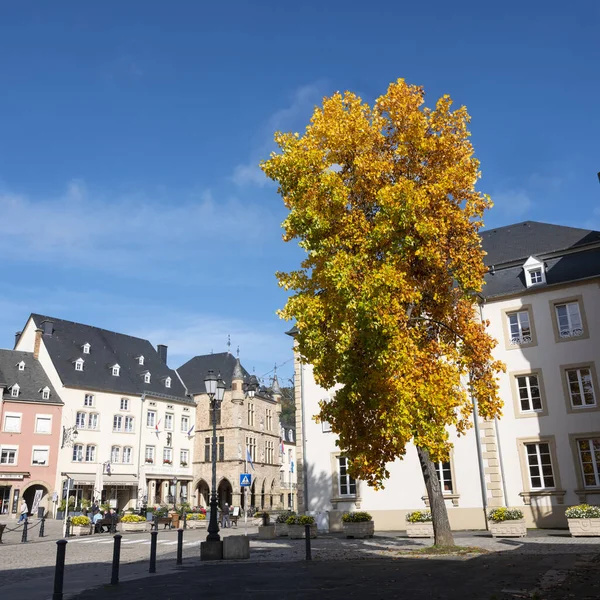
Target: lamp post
(215,388)
(174,496)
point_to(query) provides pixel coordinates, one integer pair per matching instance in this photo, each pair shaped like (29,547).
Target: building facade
(30,418)
(287,473)
(247,422)
(122,439)
(542,300)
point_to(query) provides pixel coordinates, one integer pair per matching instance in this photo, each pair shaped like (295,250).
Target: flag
(281,447)
(156,426)
(190,431)
(249,457)
(292,467)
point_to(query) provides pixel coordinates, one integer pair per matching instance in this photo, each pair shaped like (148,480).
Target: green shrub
(300,520)
(583,511)
(284,516)
(196,517)
(85,503)
(419,516)
(356,517)
(498,515)
(81,521)
(133,519)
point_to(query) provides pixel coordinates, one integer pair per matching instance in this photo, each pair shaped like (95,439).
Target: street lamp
(215,388)
(174,496)
(69,435)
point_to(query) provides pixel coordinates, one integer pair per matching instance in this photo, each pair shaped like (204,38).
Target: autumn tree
(382,199)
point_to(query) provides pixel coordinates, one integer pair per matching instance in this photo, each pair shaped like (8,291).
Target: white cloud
(512,203)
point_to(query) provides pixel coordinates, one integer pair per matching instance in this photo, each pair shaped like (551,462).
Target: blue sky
(130,133)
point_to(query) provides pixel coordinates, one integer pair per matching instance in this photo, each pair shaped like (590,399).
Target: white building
(288,481)
(127,419)
(542,299)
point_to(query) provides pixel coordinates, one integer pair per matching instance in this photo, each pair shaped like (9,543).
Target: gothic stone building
(248,419)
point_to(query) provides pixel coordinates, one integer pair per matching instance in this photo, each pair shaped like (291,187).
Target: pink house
(30,421)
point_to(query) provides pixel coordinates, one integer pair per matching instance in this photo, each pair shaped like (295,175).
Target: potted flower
(133,523)
(183,463)
(584,520)
(296,526)
(358,524)
(81,525)
(149,461)
(257,518)
(506,522)
(281,527)
(196,521)
(419,524)
(166,461)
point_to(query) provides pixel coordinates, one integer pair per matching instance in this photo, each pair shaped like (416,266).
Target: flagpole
(246,496)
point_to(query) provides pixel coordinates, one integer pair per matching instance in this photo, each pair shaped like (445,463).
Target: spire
(275,389)
(237,370)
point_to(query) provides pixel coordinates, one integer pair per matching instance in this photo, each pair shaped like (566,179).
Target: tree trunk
(441,525)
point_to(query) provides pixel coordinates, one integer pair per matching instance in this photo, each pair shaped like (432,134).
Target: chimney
(17,337)
(36,344)
(48,327)
(162,352)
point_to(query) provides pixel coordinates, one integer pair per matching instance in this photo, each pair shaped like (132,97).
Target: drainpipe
(304,465)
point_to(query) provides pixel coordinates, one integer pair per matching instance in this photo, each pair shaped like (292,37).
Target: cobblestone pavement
(27,569)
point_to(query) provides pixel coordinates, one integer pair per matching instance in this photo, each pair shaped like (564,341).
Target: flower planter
(419,530)
(513,528)
(133,527)
(196,524)
(81,530)
(584,527)
(281,529)
(364,529)
(296,532)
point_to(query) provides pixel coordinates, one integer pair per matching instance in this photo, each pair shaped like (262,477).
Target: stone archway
(224,493)
(203,493)
(29,494)
(253,494)
(272,494)
(262,494)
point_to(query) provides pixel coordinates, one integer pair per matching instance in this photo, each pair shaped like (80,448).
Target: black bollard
(42,525)
(59,571)
(68,528)
(265,518)
(114,578)
(24,536)
(179,546)
(307,536)
(153,540)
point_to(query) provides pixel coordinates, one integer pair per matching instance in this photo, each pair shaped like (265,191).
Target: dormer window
(86,348)
(141,361)
(21,366)
(79,364)
(535,272)
(168,382)
(146,377)
(116,369)
(46,393)
(14,390)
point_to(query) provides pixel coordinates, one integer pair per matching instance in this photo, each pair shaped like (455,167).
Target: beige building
(247,423)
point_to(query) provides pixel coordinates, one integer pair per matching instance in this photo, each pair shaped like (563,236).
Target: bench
(166,521)
(111,524)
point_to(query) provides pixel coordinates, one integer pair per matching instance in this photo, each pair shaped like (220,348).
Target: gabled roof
(30,381)
(195,370)
(521,240)
(107,348)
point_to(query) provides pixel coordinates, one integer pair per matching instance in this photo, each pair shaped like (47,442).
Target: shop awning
(115,479)
(82,478)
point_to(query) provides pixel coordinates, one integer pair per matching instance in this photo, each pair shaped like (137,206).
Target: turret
(237,383)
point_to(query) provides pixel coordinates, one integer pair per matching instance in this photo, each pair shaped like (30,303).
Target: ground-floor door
(4,499)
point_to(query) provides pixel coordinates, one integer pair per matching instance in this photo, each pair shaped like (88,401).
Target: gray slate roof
(30,381)
(195,370)
(107,349)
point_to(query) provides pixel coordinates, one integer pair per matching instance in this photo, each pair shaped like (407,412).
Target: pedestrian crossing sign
(245,479)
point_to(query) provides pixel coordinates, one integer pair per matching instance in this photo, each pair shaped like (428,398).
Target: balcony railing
(520,340)
(571,332)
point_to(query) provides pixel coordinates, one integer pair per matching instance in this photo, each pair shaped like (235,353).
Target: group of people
(227,512)
(98,518)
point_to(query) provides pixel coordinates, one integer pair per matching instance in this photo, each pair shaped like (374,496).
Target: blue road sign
(245,480)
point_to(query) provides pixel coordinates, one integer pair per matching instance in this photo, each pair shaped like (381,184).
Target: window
(185,424)
(325,427)
(149,454)
(444,473)
(589,460)
(141,361)
(347,483)
(221,448)
(90,453)
(128,424)
(539,462)
(168,382)
(8,456)
(535,276)
(569,321)
(282,478)
(146,377)
(43,424)
(207,449)
(79,364)
(21,366)
(88,400)
(39,456)
(118,423)
(530,399)
(78,452)
(12,423)
(116,369)
(124,403)
(167,456)
(115,454)
(250,414)
(151,418)
(270,452)
(86,348)
(217,414)
(251,445)
(581,388)
(46,393)
(534,271)
(520,329)
(168,422)
(14,390)
(269,419)
(93,421)
(127,455)
(184,456)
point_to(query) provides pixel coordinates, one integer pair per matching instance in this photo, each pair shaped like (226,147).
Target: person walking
(225,514)
(24,511)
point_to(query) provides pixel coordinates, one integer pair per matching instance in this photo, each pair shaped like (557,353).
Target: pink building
(30,421)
